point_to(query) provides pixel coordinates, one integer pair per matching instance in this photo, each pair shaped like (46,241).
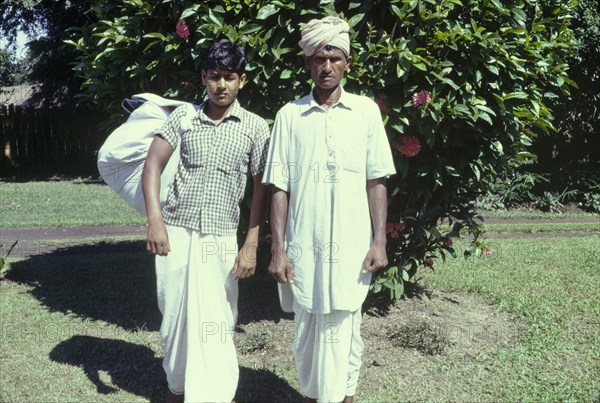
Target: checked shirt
(215,161)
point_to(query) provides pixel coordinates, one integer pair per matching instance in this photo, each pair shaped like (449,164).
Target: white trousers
(327,350)
(197,297)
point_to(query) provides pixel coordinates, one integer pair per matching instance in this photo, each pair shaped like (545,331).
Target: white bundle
(121,158)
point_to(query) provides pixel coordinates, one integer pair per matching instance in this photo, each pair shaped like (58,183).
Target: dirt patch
(463,326)
(73,240)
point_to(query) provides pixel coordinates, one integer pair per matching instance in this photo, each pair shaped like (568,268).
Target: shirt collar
(234,112)
(311,103)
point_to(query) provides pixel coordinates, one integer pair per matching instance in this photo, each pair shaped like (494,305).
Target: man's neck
(327,97)
(216,113)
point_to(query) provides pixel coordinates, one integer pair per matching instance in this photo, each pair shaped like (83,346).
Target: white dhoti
(197,297)
(328,350)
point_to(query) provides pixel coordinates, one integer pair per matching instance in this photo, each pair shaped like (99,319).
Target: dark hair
(225,55)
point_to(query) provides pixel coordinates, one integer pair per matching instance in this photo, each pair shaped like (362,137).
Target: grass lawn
(80,322)
(84,202)
(522,325)
(63,204)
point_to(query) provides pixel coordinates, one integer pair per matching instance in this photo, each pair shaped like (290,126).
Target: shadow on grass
(134,368)
(259,299)
(95,282)
(131,367)
(115,282)
(261,385)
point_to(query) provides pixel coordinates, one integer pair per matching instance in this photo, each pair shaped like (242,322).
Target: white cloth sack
(121,158)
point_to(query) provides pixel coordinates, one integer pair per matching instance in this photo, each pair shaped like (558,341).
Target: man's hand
(245,262)
(281,267)
(158,240)
(375,260)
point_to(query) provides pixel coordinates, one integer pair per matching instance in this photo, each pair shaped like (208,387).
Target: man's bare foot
(348,399)
(173,398)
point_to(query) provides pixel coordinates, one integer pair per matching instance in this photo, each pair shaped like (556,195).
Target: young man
(328,160)
(194,234)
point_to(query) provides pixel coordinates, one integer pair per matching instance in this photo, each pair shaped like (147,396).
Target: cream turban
(327,31)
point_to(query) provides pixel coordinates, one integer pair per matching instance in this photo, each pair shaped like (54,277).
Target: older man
(328,160)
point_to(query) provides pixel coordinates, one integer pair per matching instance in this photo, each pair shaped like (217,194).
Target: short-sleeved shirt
(215,161)
(323,158)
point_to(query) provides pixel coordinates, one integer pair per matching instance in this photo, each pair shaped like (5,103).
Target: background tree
(50,59)
(464,87)
(12,71)
(570,160)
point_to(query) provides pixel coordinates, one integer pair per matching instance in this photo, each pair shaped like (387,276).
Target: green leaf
(493,70)
(518,95)
(451,170)
(486,109)
(525,140)
(497,146)
(215,18)
(267,11)
(476,171)
(497,4)
(398,290)
(355,19)
(420,66)
(191,11)
(155,35)
(462,108)
(486,117)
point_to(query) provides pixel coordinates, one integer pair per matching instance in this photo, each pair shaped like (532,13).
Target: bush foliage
(463,85)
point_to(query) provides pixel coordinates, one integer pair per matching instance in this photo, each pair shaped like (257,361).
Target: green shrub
(591,202)
(463,86)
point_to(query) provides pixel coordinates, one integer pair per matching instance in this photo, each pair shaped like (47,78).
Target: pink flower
(421,98)
(410,147)
(394,229)
(380,101)
(393,226)
(448,242)
(487,251)
(187,85)
(182,30)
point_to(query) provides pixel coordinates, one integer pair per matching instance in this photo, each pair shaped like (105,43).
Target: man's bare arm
(280,266)
(245,263)
(376,258)
(158,156)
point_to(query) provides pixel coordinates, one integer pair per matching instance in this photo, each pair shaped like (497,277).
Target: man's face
(327,67)
(222,85)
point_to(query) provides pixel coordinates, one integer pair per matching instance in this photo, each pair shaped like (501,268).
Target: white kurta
(323,158)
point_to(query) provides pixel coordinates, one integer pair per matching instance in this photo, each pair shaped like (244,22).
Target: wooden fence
(49,137)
